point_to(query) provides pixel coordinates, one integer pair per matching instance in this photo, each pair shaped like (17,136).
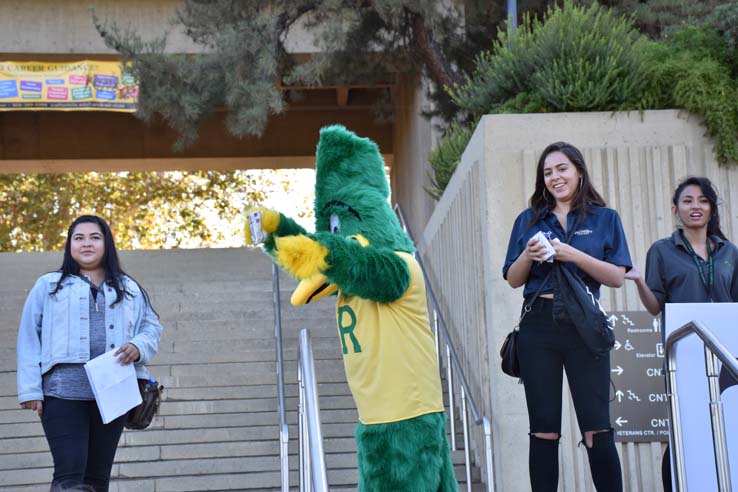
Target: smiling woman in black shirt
(696,263)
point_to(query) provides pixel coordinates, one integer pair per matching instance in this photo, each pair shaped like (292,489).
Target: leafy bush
(576,59)
(446,156)
(590,59)
(691,70)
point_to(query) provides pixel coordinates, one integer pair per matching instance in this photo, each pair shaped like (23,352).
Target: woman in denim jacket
(88,307)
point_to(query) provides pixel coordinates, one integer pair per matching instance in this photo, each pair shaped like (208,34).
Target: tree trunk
(438,66)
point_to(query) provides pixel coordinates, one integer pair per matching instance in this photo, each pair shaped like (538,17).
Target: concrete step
(248,406)
(256,391)
(333,375)
(217,372)
(153,267)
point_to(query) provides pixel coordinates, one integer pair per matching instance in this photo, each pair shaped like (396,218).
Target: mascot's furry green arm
(357,233)
(360,252)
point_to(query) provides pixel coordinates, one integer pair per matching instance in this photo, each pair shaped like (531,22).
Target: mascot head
(351,191)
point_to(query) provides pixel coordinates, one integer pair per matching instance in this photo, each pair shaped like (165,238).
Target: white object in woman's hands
(550,251)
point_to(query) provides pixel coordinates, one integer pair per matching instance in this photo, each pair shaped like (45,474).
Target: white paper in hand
(114,385)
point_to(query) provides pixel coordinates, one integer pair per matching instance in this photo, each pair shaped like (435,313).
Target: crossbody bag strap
(528,305)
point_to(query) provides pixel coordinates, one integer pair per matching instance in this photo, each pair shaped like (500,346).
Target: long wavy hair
(111,264)
(708,190)
(586,197)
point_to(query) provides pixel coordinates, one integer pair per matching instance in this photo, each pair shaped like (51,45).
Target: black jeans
(82,446)
(545,350)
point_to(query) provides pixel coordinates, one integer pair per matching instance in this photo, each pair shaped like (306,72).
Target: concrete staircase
(218,426)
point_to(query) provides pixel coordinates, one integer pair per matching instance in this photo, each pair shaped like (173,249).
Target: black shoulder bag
(508,351)
(576,304)
(140,417)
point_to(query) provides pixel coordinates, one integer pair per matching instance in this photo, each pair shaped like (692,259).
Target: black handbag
(509,354)
(140,417)
(576,304)
(509,349)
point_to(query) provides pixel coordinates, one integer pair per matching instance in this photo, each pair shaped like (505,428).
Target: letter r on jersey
(347,328)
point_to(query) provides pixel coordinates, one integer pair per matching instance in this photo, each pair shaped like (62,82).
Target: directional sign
(639,406)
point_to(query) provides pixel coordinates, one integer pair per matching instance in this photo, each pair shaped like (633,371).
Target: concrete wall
(43,26)
(413,139)
(47,26)
(635,160)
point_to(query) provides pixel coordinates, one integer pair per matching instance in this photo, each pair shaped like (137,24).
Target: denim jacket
(56,329)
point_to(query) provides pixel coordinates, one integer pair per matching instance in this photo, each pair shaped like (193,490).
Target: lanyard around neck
(708,280)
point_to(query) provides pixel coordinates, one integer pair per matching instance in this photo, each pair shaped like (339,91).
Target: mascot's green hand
(300,255)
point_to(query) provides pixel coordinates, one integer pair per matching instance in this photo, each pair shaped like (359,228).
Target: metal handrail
(284,435)
(714,351)
(452,360)
(313,475)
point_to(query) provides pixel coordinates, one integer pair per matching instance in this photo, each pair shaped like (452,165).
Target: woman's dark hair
(586,197)
(110,262)
(708,190)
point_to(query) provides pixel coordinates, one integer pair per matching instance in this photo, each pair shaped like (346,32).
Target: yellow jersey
(389,353)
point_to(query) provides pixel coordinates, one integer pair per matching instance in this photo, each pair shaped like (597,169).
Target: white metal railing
(453,365)
(313,475)
(714,351)
(284,435)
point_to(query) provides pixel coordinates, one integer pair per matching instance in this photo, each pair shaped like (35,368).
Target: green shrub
(691,70)
(577,59)
(446,156)
(590,59)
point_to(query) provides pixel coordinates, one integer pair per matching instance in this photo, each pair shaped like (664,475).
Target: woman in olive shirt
(696,263)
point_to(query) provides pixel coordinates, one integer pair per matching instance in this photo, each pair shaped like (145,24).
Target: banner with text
(66,86)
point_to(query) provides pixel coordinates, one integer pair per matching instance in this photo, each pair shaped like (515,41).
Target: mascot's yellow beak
(317,286)
(312,289)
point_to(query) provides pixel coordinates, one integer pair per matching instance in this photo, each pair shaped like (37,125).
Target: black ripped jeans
(545,350)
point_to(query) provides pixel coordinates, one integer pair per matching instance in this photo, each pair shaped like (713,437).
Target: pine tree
(244,64)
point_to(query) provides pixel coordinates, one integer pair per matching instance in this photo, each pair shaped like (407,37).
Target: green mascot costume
(360,253)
